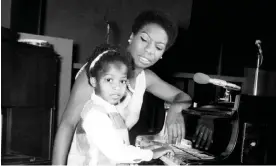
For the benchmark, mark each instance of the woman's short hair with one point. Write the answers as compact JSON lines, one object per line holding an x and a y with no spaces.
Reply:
{"x":156,"y":17}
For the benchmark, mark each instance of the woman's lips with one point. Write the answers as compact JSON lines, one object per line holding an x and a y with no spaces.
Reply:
{"x":144,"y":60}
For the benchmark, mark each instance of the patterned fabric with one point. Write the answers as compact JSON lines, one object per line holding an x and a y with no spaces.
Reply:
{"x":117,"y":119}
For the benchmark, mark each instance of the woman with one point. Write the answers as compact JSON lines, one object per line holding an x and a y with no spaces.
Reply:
{"x":152,"y":34}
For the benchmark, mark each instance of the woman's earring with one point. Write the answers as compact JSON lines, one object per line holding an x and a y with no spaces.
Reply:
{"x":129,"y":40}
{"x":161,"y":57}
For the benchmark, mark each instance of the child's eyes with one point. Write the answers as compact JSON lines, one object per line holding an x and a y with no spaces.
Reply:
{"x":123,"y":81}
{"x":109,"y":79}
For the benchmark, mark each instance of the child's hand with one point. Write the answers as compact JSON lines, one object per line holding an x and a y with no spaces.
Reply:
{"x":165,"y":150}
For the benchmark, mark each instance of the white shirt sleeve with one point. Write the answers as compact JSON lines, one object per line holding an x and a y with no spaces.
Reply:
{"x":100,"y":132}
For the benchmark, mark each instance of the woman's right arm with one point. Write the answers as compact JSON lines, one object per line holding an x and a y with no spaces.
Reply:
{"x":80,"y":94}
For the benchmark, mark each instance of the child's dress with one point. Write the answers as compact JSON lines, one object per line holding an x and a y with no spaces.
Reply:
{"x":101,"y":137}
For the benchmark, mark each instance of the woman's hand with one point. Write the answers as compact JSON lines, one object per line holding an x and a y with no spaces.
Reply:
{"x":175,"y":125}
{"x":203,"y":136}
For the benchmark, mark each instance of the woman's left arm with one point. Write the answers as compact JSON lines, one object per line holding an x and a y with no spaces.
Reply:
{"x":178,"y":99}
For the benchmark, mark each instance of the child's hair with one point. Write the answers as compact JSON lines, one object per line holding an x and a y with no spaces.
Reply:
{"x":156,"y":17}
{"x":106,"y":54}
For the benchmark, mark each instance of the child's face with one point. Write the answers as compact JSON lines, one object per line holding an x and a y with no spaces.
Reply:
{"x":112,"y":84}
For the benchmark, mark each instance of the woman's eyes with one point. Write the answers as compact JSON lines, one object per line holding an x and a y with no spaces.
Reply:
{"x":158,"y":48}
{"x":143,"y":39}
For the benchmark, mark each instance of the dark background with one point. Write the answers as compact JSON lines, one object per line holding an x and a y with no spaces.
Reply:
{"x":226,"y":28}
{"x":208,"y":29}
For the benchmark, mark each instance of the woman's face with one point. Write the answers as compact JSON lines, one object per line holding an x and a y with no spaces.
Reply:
{"x":148,"y":45}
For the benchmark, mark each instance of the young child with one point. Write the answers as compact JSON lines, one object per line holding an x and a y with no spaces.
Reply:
{"x":101,"y":136}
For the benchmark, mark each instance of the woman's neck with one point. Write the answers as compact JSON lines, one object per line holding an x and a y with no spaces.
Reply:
{"x":137,"y":71}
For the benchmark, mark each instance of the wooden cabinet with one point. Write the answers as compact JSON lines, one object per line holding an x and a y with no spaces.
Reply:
{"x":33,"y":94}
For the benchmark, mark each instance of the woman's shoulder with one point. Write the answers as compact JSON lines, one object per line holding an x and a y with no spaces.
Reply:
{"x":82,"y":70}
{"x":82,"y":83}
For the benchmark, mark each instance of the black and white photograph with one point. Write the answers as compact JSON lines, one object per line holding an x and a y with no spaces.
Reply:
{"x":138,"y":82}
